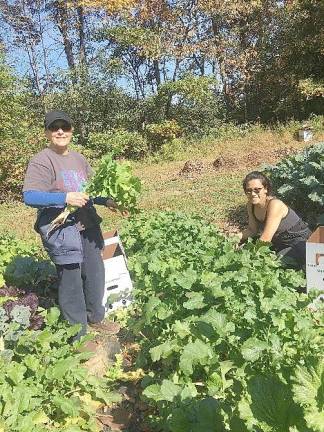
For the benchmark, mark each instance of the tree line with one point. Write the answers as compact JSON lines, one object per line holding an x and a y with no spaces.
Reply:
{"x":257,"y":60}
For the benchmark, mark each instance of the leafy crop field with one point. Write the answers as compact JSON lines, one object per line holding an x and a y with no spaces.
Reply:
{"x":227,"y":342}
{"x":219,"y":338}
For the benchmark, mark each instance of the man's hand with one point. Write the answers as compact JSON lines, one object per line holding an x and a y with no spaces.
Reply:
{"x":114,"y":207}
{"x":77,"y":199}
{"x":111,"y":205}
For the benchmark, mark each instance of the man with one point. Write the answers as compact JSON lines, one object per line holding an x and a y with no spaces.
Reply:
{"x":54,"y":178}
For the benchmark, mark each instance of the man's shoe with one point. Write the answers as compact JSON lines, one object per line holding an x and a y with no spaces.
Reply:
{"x":110,"y":327}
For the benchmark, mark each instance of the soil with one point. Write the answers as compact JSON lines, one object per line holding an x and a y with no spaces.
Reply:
{"x":128,"y":415}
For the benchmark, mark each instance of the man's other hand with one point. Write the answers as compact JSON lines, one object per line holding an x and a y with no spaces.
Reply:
{"x":77,"y":199}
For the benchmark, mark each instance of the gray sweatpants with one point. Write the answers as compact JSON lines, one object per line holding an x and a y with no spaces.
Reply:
{"x":81,"y":286}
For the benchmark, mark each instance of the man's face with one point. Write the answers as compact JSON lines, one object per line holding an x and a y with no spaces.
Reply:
{"x":59,"y":133}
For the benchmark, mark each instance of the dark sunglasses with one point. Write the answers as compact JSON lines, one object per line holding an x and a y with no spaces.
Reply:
{"x":255,"y":190}
{"x":66,"y":127}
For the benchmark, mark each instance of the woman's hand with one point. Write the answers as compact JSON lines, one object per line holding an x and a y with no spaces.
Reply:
{"x":77,"y":199}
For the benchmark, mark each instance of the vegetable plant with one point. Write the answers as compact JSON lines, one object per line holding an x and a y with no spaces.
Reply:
{"x":223,"y":332}
{"x":43,"y":385}
{"x":299,"y":181}
{"x":113,"y":180}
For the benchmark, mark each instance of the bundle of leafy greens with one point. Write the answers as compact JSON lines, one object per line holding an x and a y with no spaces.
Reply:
{"x":115,"y":181}
{"x":112,"y":180}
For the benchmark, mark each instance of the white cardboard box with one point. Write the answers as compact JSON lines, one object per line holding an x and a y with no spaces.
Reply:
{"x":118,"y":284}
{"x":315,"y":260}
{"x":305,"y":134}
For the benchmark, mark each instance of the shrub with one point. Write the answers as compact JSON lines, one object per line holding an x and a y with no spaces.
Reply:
{"x":90,"y":154}
{"x":160,"y":133}
{"x":120,"y":142}
{"x":299,"y":181}
{"x":10,"y":249}
{"x":14,"y":157}
{"x":18,"y":136}
{"x":172,"y":150}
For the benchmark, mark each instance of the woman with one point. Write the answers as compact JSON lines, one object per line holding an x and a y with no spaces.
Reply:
{"x":273,"y":220}
{"x":54,"y":179}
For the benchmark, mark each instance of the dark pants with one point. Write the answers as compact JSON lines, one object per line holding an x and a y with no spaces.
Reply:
{"x":294,"y":256}
{"x":81,"y":286}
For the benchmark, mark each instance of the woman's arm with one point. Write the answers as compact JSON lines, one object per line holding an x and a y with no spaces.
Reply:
{"x":275,"y":212}
{"x":252,"y":229}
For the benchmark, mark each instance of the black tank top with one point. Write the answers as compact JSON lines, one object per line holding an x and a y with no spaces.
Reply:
{"x":291,"y":230}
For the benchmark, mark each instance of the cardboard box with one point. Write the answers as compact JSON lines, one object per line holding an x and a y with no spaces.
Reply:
{"x":315,"y":260}
{"x":118,"y":284}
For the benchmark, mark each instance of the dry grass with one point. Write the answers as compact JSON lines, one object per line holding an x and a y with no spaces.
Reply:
{"x":214,"y":193}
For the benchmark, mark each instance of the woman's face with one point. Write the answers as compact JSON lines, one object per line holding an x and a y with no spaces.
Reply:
{"x":255,"y":191}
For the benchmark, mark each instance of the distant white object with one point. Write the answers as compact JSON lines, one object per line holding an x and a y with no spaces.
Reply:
{"x":315,"y":260}
{"x":305,"y":134}
{"x":118,"y":284}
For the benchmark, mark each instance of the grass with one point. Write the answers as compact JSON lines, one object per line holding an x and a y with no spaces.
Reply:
{"x":215,"y":194}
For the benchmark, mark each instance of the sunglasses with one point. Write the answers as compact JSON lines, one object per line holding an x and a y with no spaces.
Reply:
{"x":56,"y":126}
{"x":255,"y":190}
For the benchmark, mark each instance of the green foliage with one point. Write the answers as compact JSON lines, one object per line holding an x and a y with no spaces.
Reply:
{"x":192,"y":102}
{"x":19,"y":134}
{"x":159,"y":133}
{"x":309,"y":393}
{"x":29,"y":272}
{"x":43,"y":386}
{"x":145,"y":40}
{"x":217,"y":322}
{"x":13,"y":112}
{"x":119,"y":142}
{"x":299,"y":181}
{"x":13,"y":253}
{"x":190,"y":88}
{"x":115,"y":180}
{"x":96,"y":105}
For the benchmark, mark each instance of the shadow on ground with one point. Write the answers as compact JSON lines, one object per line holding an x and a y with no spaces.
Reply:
{"x":237,"y":216}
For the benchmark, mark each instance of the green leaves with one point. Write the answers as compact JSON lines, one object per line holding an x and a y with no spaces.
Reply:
{"x":196,"y":300}
{"x":43,"y":382}
{"x":252,"y":349}
{"x":14,"y":256}
{"x":163,"y":350}
{"x":308,"y":391}
{"x":15,"y":372}
{"x":270,"y":405}
{"x":299,"y":181}
{"x":221,"y":323}
{"x":115,"y":180}
{"x":186,"y":279}
{"x":69,"y":406}
{"x":194,"y":353}
{"x":167,"y":391}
